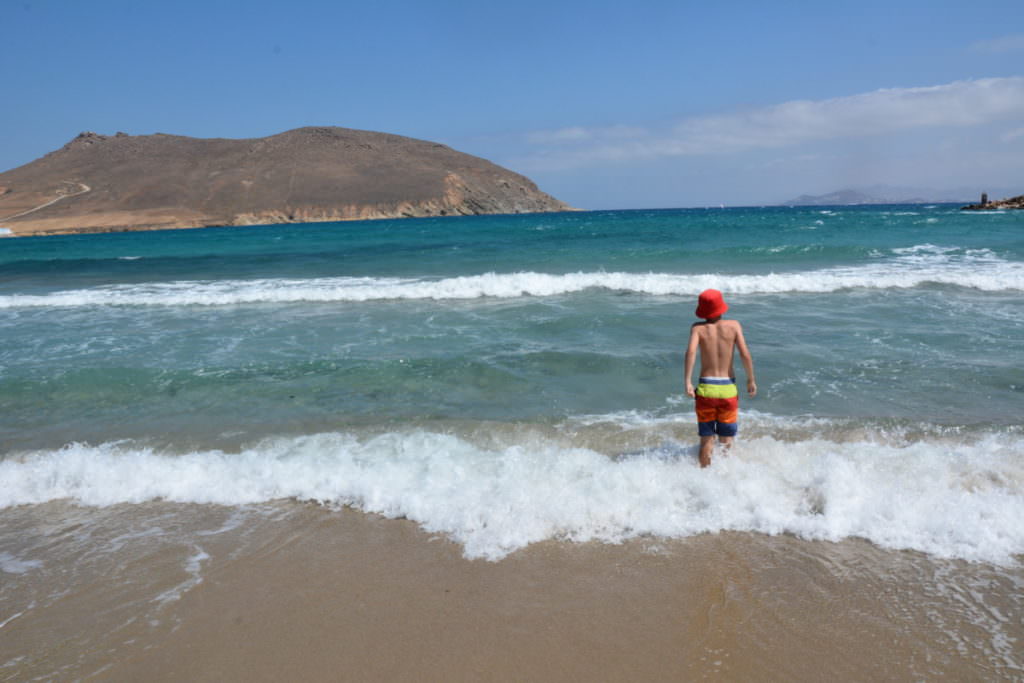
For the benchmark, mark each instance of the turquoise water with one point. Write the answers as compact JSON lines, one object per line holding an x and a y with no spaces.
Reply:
{"x":892,"y":312}
{"x":890,"y":334}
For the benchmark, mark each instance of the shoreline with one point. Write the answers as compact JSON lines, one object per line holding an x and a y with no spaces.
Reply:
{"x":277,"y":219}
{"x":285,"y":218}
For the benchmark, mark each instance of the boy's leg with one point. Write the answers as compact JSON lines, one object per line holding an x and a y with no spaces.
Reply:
{"x":726,"y":423}
{"x":707,"y":445}
{"x":706,"y":428}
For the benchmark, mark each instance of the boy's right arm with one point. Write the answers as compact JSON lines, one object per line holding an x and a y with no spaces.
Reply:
{"x":748,"y":361}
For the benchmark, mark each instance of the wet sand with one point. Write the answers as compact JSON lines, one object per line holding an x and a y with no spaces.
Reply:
{"x":315,"y":594}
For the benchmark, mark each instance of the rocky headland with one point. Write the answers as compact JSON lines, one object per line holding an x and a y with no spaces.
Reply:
{"x":100,"y":183}
{"x":985,"y":205}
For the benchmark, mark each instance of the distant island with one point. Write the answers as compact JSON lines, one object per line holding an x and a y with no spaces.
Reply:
{"x":846,"y":197}
{"x":888,"y":194}
{"x":100,"y":183}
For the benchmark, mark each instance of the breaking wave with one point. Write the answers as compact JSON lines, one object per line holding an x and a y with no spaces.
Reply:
{"x":951,"y":497}
{"x":986,"y":274}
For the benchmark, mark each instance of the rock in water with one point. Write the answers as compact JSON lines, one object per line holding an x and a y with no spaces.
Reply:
{"x":99,"y":183}
{"x":986,"y":205}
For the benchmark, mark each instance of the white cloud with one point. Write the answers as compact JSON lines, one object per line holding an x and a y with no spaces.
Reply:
{"x":1003,"y":44}
{"x":1011,"y":135}
{"x":961,"y":103}
{"x":579,"y":133}
{"x":791,"y":161}
{"x":549,"y":137}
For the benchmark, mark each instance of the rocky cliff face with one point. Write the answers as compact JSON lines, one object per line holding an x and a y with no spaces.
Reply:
{"x":99,"y":183}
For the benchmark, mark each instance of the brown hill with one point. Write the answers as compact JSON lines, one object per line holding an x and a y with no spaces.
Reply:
{"x":99,"y":183}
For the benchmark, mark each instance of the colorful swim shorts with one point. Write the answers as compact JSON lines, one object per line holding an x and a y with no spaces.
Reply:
{"x":717,"y":406}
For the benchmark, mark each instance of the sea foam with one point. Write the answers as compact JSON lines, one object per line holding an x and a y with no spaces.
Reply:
{"x":959,"y":499}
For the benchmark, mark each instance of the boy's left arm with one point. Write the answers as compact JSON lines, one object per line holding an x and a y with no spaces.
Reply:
{"x":691,"y":358}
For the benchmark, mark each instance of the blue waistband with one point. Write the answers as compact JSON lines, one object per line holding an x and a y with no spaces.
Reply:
{"x":715,"y":380}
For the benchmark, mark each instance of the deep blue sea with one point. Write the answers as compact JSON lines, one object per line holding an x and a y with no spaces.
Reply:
{"x":509,"y":379}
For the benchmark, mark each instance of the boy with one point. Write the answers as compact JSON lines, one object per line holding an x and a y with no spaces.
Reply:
{"x":717,"y":398}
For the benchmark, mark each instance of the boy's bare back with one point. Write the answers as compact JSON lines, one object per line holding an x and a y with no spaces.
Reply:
{"x":718,"y":340}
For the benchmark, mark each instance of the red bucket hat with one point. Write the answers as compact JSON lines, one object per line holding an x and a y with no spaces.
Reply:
{"x":710,"y":304}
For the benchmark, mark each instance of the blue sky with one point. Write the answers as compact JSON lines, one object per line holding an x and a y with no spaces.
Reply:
{"x":604,"y":104}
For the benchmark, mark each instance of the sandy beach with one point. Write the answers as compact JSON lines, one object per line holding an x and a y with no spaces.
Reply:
{"x":308,"y":593}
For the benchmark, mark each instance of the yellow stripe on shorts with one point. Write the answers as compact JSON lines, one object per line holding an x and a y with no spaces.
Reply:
{"x":717,"y":390}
